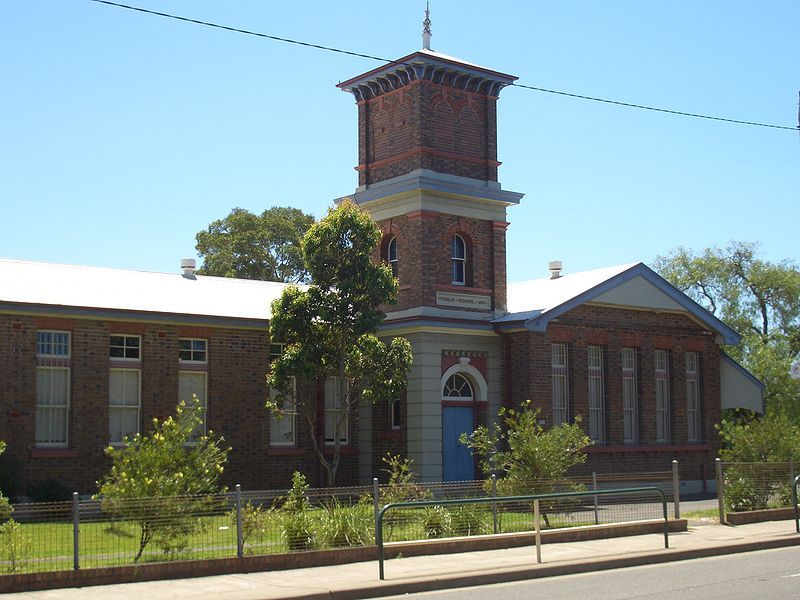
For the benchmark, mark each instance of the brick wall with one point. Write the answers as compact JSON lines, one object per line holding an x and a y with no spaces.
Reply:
{"x":426,"y":125}
{"x":528,"y":355}
{"x":424,"y":257}
{"x":237,"y":363}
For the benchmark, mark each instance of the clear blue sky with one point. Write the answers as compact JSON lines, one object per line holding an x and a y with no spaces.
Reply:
{"x":122,"y":134}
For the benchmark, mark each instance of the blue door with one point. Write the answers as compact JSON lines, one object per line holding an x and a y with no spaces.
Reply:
{"x":458,"y":463}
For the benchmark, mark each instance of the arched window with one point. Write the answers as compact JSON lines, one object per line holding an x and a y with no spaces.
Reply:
{"x":391,"y":255}
{"x":459,"y":260}
{"x":458,"y":386}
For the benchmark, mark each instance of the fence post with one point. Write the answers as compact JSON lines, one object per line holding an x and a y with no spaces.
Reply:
{"x":494,"y":504}
{"x":720,"y":491}
{"x":376,"y":502}
{"x":676,"y":489}
{"x":239,"y":532}
{"x":594,"y":487}
{"x":538,"y":528}
{"x":76,"y":563}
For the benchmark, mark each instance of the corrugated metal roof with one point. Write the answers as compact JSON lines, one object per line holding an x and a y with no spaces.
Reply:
{"x":529,"y":299}
{"x":28,"y":282}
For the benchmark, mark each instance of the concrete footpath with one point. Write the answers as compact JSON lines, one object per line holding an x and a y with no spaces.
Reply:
{"x":425,"y":573}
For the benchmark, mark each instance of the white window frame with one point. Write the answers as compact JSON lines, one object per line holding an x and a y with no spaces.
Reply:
{"x":192,"y":360}
{"x":53,"y":354}
{"x":124,"y":407}
{"x":286,"y":417}
{"x":596,"y":393}
{"x":202,"y":427}
{"x":630,"y":397}
{"x":391,"y":256}
{"x":661,"y":372}
{"x":394,"y":415}
{"x":458,"y":262}
{"x":559,"y":375}
{"x":456,"y":393}
{"x":333,"y":407}
{"x":125,"y":337}
{"x":693,"y":397}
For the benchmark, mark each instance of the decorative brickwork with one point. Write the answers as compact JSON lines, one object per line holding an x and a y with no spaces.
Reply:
{"x":426,"y":125}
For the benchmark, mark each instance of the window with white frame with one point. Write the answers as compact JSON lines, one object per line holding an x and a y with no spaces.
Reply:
{"x":52,"y":388}
{"x":192,"y":384}
{"x":459,"y":260}
{"x":391,"y":256}
{"x":124,"y":401}
{"x":394,"y":415}
{"x":692,"y":397}
{"x":558,"y":366}
{"x":125,"y":347}
{"x":597,"y":416}
{"x":662,"y":396}
{"x":630,"y":397}
{"x":192,"y":350}
{"x":335,"y":419}
{"x":458,"y":386}
{"x":283,"y":423}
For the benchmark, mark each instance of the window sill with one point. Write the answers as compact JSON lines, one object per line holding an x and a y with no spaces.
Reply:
{"x":53,"y":453}
{"x":648,"y":448}
{"x":285,"y":451}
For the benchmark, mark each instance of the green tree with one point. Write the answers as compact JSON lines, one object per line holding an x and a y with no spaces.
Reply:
{"x":759,"y":299}
{"x":330,"y":329}
{"x":249,"y":246}
{"x":158,"y":479}
{"x":528,"y":458}
{"x":749,"y":483}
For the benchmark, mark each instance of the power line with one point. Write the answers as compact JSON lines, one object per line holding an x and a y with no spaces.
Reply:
{"x":387,"y":60}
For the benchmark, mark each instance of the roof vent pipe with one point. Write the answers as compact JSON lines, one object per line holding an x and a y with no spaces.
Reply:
{"x":189,"y":266}
{"x":555,"y":267}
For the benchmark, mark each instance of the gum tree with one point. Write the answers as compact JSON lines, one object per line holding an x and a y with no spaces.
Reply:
{"x":329,"y":330}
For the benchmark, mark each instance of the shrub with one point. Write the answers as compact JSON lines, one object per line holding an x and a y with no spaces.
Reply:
{"x":256,"y":521}
{"x":298,"y":526}
{"x":436,"y":521}
{"x":162,"y":479}
{"x":344,"y":525}
{"x":14,"y":547}
{"x":469,"y":519}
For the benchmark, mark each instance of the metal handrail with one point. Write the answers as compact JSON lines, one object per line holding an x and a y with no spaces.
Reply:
{"x":508,"y":499}
{"x":794,"y":504}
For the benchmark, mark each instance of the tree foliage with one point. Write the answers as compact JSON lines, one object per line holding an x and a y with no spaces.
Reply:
{"x":158,"y":479}
{"x":759,"y":299}
{"x":329,"y":330}
{"x":249,"y":246}
{"x":528,"y":458}
{"x":750,"y":482}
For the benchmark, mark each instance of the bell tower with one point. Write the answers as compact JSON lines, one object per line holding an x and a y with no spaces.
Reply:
{"x":427,"y":173}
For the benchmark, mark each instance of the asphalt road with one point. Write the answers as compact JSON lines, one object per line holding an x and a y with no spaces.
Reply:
{"x":767,"y":574}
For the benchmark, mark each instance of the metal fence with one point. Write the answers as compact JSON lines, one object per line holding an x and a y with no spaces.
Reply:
{"x":746,"y":487}
{"x":89,"y":533}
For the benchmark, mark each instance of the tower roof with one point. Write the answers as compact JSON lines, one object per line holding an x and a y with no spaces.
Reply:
{"x":429,"y":65}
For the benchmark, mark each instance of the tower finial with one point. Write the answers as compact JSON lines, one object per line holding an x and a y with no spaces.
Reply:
{"x":426,"y":28}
